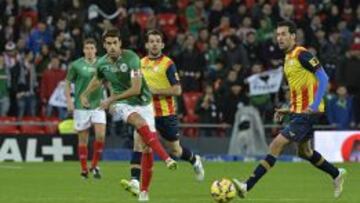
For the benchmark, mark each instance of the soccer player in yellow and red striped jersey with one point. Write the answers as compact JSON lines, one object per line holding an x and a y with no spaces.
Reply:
{"x":307,"y":82}
{"x":162,"y":78}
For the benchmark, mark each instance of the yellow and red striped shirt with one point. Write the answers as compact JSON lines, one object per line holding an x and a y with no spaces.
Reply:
{"x":299,"y":67}
{"x":160,"y":73}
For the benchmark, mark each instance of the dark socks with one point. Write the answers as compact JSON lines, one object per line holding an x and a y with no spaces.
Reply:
{"x":260,"y":170}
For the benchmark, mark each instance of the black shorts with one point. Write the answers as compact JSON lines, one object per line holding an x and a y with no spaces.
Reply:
{"x":300,"y":128}
{"x":168,"y":127}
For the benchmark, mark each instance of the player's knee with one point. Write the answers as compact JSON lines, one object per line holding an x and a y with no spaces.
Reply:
{"x":304,"y":153}
{"x":176,"y":150}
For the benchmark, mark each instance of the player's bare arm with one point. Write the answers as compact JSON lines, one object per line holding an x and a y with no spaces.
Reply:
{"x":93,"y":85}
{"x":69,"y":102}
{"x":134,"y":90}
{"x":174,"y":90}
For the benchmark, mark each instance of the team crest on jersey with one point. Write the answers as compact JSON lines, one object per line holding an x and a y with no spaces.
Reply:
{"x":314,"y":62}
{"x":123,"y":67}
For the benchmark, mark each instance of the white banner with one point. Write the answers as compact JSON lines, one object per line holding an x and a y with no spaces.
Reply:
{"x":58,"y":97}
{"x":265,"y":82}
{"x":338,"y":146}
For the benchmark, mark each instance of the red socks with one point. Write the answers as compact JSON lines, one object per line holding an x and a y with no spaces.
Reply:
{"x":83,"y":154}
{"x":147,"y":161}
{"x":98,"y":149}
{"x":151,"y":139}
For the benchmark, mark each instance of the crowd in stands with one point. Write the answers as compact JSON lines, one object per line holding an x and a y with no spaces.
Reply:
{"x":216,"y":45}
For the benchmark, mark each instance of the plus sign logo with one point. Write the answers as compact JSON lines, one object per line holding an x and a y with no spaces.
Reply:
{"x":57,"y":150}
{"x":37,"y":149}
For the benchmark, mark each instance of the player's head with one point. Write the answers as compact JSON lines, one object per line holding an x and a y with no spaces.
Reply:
{"x":89,"y":48}
{"x":112,"y":42}
{"x":286,"y":35}
{"x":154,"y":42}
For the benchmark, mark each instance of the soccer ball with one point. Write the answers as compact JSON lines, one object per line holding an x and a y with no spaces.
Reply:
{"x":223,"y":190}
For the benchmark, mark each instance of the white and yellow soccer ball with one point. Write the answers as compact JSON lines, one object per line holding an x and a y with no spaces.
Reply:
{"x":223,"y":191}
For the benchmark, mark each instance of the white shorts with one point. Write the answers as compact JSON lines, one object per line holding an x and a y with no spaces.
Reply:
{"x":84,"y":118}
{"x":123,"y":111}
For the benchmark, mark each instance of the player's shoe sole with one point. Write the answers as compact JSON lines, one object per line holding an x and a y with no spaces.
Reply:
{"x":129,"y":187}
{"x":339,"y":182}
{"x":240,"y":188}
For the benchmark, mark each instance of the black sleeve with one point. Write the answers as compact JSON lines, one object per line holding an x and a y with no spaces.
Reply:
{"x":309,"y":61}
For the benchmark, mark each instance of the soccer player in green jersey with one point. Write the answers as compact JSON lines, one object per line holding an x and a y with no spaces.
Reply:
{"x":80,"y":73}
{"x":130,"y":100}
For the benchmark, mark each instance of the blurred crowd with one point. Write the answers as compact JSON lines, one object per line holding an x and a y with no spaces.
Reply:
{"x":216,"y":45}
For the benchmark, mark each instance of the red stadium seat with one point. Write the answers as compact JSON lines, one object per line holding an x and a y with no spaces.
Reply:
{"x":8,"y":129}
{"x":28,"y":128}
{"x":190,"y":100}
{"x":167,"y":22}
{"x":51,"y":129}
{"x":142,"y":18}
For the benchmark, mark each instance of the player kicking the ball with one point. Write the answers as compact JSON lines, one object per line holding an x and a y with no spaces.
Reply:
{"x":307,"y":82}
{"x":130,"y":100}
{"x":162,"y":78}
{"x":81,"y":72}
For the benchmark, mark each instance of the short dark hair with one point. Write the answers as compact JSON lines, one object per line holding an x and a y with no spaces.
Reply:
{"x":291,"y":26}
{"x":89,"y":41}
{"x":113,"y":32}
{"x":153,"y":32}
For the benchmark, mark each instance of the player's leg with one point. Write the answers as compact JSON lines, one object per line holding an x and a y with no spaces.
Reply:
{"x":133,"y":185}
{"x":81,"y":125}
{"x":177,"y":150}
{"x":149,"y":137}
{"x":276,"y":147}
{"x":147,"y":162}
{"x":316,"y":159}
{"x":98,"y":147}
{"x":168,"y":127}
{"x":98,"y":118}
{"x":83,"y":137}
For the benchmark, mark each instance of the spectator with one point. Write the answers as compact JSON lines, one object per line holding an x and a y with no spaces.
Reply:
{"x":4,"y":93}
{"x":42,"y":60}
{"x":252,"y":48}
{"x":224,"y":29}
{"x":340,"y":109}
{"x":39,"y":36}
{"x":27,"y":82}
{"x":215,"y":14}
{"x":191,"y":66}
{"x":208,"y":110}
{"x":49,"y":81}
{"x":214,"y":52}
{"x":195,"y":16}
{"x":235,"y":53}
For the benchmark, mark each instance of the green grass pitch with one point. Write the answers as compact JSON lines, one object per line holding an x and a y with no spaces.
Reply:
{"x":61,"y":183}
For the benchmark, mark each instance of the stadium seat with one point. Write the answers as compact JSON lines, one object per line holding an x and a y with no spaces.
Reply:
{"x":142,"y":18}
{"x":51,"y":129}
{"x":8,"y":129}
{"x":27,"y":128}
{"x":190,"y":100}
{"x":167,"y":23}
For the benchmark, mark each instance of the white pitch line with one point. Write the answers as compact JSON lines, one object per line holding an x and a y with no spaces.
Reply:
{"x":11,"y":167}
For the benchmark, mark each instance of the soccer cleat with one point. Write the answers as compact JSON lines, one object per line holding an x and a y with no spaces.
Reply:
{"x":96,"y":172}
{"x":143,"y":196}
{"x":199,"y":169}
{"x":241,"y":188}
{"x":338,"y":183}
{"x":171,"y":164}
{"x":132,"y":186}
{"x":84,"y":175}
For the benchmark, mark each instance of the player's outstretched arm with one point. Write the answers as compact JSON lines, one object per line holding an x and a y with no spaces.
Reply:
{"x":92,"y":86}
